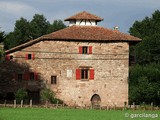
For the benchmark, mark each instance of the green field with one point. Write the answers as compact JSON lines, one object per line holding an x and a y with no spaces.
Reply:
{"x":75,"y":114}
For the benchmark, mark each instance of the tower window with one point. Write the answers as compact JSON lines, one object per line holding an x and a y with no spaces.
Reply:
{"x":29,"y":56}
{"x":84,"y":50}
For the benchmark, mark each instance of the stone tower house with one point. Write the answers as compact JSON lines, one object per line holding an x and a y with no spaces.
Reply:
{"x":83,"y":63}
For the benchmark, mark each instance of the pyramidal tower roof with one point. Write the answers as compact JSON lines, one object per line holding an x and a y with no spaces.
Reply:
{"x":84,"y":16}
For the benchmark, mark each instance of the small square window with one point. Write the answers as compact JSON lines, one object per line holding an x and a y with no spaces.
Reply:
{"x":20,"y":77}
{"x":84,"y":50}
{"x":53,"y":79}
{"x":29,"y":56}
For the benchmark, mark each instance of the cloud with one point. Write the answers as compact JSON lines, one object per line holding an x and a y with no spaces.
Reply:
{"x":114,"y":12}
{"x":15,"y":8}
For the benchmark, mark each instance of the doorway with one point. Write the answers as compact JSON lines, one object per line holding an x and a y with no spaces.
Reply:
{"x":95,"y":100}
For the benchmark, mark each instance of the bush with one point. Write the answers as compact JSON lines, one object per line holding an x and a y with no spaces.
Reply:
{"x":47,"y":95}
{"x":20,"y":94}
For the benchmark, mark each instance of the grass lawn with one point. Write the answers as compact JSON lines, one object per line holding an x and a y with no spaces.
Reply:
{"x":74,"y":114}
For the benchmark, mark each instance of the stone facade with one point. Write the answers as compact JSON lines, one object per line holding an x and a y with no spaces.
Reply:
{"x":109,"y":61}
{"x":83,"y":64}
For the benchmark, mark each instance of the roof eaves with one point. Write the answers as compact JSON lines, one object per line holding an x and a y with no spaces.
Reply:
{"x":24,"y":45}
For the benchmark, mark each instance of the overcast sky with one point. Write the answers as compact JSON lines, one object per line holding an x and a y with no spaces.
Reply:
{"x":122,"y":13}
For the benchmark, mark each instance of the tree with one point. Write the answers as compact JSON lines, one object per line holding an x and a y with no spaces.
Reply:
{"x":39,"y":26}
{"x":47,"y":95}
{"x":144,"y":84}
{"x":10,"y":41}
{"x":2,"y":36}
{"x":20,"y":94}
{"x":22,"y":30}
{"x":20,"y":35}
{"x":56,"y":25}
{"x":25,"y":30}
{"x":148,"y":30}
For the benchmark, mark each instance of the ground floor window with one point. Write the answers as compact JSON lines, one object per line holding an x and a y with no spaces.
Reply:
{"x":20,"y":77}
{"x":31,"y":76}
{"x":53,"y":79}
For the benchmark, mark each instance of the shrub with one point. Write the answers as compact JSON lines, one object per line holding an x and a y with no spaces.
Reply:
{"x":20,"y":94}
{"x":47,"y":95}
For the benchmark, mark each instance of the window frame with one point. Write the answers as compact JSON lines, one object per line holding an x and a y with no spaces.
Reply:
{"x":85,"y":50}
{"x":29,"y":56}
{"x":90,"y":73}
{"x":84,"y":74}
{"x":53,"y":80}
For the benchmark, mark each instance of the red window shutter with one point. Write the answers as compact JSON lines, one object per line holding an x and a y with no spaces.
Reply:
{"x":80,"y":49}
{"x":91,"y":74}
{"x":33,"y":56}
{"x":26,"y":76}
{"x":90,"y":49}
{"x":26,"y":56}
{"x":7,"y":57}
{"x":35,"y":76}
{"x":78,"y":74}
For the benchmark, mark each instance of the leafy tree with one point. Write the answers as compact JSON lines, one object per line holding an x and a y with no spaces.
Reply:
{"x":10,"y":41}
{"x":2,"y":36}
{"x":56,"y":25}
{"x":148,"y":30}
{"x":22,"y":30}
{"x":25,"y":30}
{"x":39,"y":26}
{"x":144,"y":84}
{"x":20,"y":94}
{"x":20,"y":35}
{"x":47,"y":95}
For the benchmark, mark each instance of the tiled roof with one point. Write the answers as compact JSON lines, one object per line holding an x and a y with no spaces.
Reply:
{"x":84,"y":15}
{"x":82,"y":33}
{"x":91,"y":33}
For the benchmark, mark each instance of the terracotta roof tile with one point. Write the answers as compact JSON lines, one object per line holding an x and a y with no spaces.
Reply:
{"x":83,"y":33}
{"x":91,"y":33}
{"x":84,"y":15}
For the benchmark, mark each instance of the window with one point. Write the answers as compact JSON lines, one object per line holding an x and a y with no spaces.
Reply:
{"x":9,"y":57}
{"x":30,"y":56}
{"x":53,"y":79}
{"x":85,"y":49}
{"x":85,"y":74}
{"x":20,"y":77}
{"x":31,"y":76}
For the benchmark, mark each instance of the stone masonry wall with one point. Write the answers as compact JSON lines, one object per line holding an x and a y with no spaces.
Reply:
{"x":109,"y":60}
